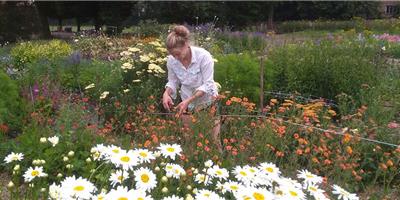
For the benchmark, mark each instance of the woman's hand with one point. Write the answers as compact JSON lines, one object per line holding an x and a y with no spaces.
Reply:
{"x":167,"y":102}
{"x":182,"y":107}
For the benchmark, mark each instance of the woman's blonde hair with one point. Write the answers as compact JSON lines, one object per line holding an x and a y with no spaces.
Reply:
{"x":178,"y":37}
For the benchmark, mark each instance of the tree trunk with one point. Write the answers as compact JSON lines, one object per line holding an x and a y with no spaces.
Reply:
{"x":270,"y":23}
{"x":59,"y":24}
{"x":45,"y":28}
{"x":78,"y":24}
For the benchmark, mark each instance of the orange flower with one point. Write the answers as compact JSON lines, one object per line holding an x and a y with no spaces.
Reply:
{"x":199,"y":144}
{"x":383,"y":166}
{"x":296,"y":136}
{"x":314,"y":159}
{"x":154,"y":138}
{"x":389,"y":163}
{"x":327,"y":162}
{"x":299,"y":152}
{"x":280,"y":154}
{"x":234,"y":153}
{"x":228,"y":103}
{"x":206,"y":148}
{"x":147,"y":143}
{"x":346,"y":138}
{"x":349,"y":150}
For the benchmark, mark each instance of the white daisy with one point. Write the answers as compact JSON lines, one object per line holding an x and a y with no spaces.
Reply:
{"x":13,"y":157}
{"x":121,"y":193}
{"x":173,"y":197}
{"x":53,"y":140}
{"x":145,"y":179}
{"x":208,"y":163}
{"x":242,"y":174}
{"x":343,"y":194}
{"x":141,"y":195}
{"x":170,"y":150}
{"x":204,"y":194}
{"x":99,"y":152}
{"x":77,"y":188}
{"x":32,"y":173}
{"x":101,"y":196}
{"x":125,"y":160}
{"x":174,"y":170}
{"x":233,"y":187}
{"x":294,"y":193}
{"x":271,"y":171}
{"x":203,"y":179}
{"x":308,"y":177}
{"x":320,"y":196}
{"x":118,"y":177}
{"x":313,"y":189}
{"x":218,"y":172}
{"x":54,"y":191}
{"x":144,"y":155}
{"x":256,"y":194}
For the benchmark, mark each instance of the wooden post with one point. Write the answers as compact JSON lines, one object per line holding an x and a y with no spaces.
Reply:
{"x":261,"y":83}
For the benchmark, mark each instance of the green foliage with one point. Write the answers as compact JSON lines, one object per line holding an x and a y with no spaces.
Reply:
{"x":10,"y":102}
{"x":239,"y":74}
{"x":147,"y":28}
{"x":31,"y":52}
{"x":359,"y":24}
{"x":238,"y":42}
{"x":325,"y":68}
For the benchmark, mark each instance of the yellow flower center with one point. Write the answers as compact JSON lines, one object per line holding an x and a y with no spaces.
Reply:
{"x":143,"y":154}
{"x":269,"y":169}
{"x":234,"y":187}
{"x":145,"y":178}
{"x":313,"y":188}
{"x":293,"y":193}
{"x":140,"y":198}
{"x":219,"y":172}
{"x":309,"y":176}
{"x":279,"y":192}
{"x":170,"y":149}
{"x":258,"y":196}
{"x":207,"y":195}
{"x":243,"y":173}
{"x":252,"y":170}
{"x":122,"y":198}
{"x":79,"y":188}
{"x":115,"y":150}
{"x":35,"y":173}
{"x":125,"y":159}
{"x":169,"y":167}
{"x":120,"y":178}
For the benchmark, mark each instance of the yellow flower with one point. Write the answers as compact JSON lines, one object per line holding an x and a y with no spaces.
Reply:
{"x":104,"y":94}
{"x":161,"y":49}
{"x":155,"y":43}
{"x":126,"y":66}
{"x":133,"y":49}
{"x":144,"y":58}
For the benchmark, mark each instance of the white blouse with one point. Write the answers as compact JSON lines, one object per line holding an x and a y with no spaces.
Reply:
{"x":198,"y":76}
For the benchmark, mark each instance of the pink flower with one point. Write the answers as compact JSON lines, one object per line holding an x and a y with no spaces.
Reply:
{"x":393,"y":125}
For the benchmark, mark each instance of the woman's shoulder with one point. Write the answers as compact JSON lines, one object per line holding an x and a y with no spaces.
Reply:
{"x":201,"y":52}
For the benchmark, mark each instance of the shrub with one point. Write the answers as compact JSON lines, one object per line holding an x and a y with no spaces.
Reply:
{"x":31,"y":52}
{"x":325,"y":68}
{"x":10,"y":104}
